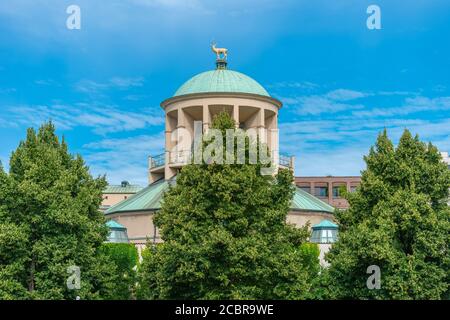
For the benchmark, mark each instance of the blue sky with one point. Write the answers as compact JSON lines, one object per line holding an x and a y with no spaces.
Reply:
{"x":340,"y":82}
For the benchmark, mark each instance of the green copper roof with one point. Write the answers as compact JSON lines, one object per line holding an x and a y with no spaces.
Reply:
{"x":221,"y":80}
{"x":149,"y":199}
{"x":303,"y":201}
{"x":325,"y":224}
{"x":122,"y":189}
{"x":115,"y":225}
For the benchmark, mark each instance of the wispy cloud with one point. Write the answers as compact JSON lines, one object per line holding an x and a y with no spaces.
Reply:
{"x":101,"y":119}
{"x":337,"y":146}
{"x":330,"y":102}
{"x":305,"y":85}
{"x":345,"y":95}
{"x":331,"y":132}
{"x":91,"y":86}
{"x":124,"y":158}
{"x":47,"y":82}
{"x":316,"y":104}
{"x":7,"y":90}
{"x":410,"y":106}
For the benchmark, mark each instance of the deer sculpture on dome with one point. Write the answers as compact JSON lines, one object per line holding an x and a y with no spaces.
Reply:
{"x":221,"y":53}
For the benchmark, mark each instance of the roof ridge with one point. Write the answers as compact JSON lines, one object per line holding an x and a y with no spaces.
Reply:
{"x":321,"y":204}
{"x":118,"y":207}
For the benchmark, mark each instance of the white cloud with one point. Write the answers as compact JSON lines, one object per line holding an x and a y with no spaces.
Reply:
{"x":410,"y":106}
{"x":47,"y":82}
{"x":102,"y":119}
{"x":314,"y":105}
{"x":123,"y":159}
{"x":8,"y":90}
{"x":90,"y":86}
{"x":305,"y":85}
{"x":345,"y":95}
{"x":126,"y":82}
{"x":337,"y":146}
{"x":331,"y":102}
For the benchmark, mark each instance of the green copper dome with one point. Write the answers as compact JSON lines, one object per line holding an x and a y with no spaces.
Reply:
{"x":221,"y":80}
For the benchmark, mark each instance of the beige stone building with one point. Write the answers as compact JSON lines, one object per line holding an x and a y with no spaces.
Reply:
{"x":113,"y":194}
{"x":197,"y":101}
{"x":329,"y":188}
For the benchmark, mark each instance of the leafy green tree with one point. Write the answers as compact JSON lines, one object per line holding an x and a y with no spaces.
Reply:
{"x":225,"y":236}
{"x":399,"y":221}
{"x":125,"y":257}
{"x":49,"y":221}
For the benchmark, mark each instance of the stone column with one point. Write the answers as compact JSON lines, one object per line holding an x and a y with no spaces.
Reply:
{"x":236,"y":115}
{"x":206,"y":118}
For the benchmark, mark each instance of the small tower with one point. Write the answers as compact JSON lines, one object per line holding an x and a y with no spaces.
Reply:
{"x":200,"y":99}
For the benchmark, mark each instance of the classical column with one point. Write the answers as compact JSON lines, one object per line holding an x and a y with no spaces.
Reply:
{"x":261,"y":126}
{"x":206,"y":118}
{"x":236,"y":115}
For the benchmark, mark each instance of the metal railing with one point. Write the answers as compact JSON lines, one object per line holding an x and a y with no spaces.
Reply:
{"x":285,"y":161}
{"x":184,"y":157}
{"x":157,"y":161}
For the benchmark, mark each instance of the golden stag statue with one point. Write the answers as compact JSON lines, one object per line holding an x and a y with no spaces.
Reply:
{"x":219,"y":51}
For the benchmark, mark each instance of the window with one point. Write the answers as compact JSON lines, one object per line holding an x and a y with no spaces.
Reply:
{"x":353,"y":188}
{"x":338,"y":191}
{"x":118,"y":236}
{"x":324,"y":236}
{"x":306,"y":189}
{"x":321,"y":191}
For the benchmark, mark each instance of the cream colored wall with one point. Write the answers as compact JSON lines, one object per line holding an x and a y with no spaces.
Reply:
{"x":110,"y":199}
{"x":177,"y":117}
{"x":300,"y":218}
{"x":140,"y":225}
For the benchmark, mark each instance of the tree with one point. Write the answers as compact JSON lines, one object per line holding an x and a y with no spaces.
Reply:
{"x":49,"y":221}
{"x":125,"y":257}
{"x":399,"y":221}
{"x":225,"y":235}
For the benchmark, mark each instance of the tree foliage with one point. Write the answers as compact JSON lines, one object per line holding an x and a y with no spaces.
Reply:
{"x":398,"y":220}
{"x":225,"y":236}
{"x":125,"y":257}
{"x":49,"y":221}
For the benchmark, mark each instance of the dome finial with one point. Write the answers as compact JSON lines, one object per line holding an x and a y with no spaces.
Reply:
{"x":221,"y":54}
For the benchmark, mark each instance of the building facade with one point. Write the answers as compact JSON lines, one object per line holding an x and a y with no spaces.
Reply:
{"x":197,"y":101}
{"x":329,"y":189}
{"x":113,"y":194}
